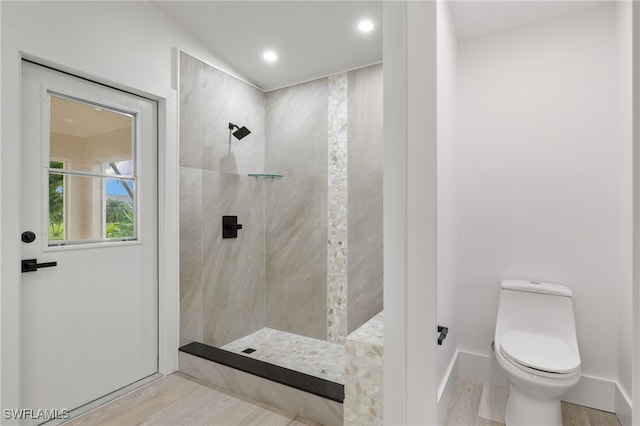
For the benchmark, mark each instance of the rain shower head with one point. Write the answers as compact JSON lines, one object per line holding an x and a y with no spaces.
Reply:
{"x":241,"y":132}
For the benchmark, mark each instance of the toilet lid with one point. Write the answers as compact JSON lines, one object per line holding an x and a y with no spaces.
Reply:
{"x":540,"y":352}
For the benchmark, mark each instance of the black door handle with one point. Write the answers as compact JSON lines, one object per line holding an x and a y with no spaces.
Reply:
{"x":32,"y":265}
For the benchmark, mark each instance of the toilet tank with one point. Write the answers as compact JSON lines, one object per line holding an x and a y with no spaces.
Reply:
{"x":539,"y":308}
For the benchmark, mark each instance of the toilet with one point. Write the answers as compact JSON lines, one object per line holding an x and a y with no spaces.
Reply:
{"x":536,"y":346}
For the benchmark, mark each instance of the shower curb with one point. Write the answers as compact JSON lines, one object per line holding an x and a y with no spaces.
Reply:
{"x":305,"y":382}
{"x":313,"y":407}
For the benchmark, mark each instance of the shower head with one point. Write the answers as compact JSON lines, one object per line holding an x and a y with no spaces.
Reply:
{"x":241,"y":132}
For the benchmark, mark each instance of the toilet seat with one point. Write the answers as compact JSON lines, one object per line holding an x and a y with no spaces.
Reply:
{"x":545,"y":355}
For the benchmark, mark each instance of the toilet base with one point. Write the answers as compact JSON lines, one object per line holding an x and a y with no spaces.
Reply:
{"x":524,"y":410}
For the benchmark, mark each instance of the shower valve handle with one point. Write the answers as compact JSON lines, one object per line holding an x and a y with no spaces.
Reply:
{"x":230,"y":226}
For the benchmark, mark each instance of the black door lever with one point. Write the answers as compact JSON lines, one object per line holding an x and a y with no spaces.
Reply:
{"x":32,"y":265}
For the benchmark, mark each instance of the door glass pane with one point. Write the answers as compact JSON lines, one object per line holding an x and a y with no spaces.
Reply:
{"x":88,"y":136}
{"x":92,"y":179}
{"x":89,"y":208}
{"x":119,"y":208}
{"x":119,"y":168}
{"x":56,"y":203}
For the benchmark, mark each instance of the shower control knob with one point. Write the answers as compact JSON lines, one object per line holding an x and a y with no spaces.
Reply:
{"x":230,"y":226}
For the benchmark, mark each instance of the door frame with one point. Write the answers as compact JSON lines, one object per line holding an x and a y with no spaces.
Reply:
{"x":10,"y":249}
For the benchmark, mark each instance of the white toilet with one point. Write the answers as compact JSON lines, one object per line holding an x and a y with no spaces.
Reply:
{"x":536,"y":345}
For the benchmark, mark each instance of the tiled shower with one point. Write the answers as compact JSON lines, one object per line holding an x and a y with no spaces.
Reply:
{"x":307,"y":262}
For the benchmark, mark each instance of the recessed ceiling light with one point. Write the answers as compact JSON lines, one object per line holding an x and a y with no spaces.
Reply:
{"x":270,"y":56}
{"x":365,"y":25}
{"x":68,"y":120}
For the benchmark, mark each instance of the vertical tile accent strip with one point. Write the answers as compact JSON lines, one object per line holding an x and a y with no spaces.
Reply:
{"x":337,"y":210}
{"x":363,"y":375}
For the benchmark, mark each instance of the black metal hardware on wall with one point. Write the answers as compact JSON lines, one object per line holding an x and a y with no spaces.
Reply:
{"x":32,"y":265}
{"x":28,"y":237}
{"x":230,"y":226}
{"x":240,"y":132}
{"x":443,"y":334}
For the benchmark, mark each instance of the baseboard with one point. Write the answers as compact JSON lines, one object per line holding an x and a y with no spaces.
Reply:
{"x":447,"y":387}
{"x":623,"y":406}
{"x":481,"y":367}
{"x":590,"y":392}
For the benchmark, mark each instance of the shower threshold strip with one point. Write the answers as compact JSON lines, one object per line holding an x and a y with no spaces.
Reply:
{"x":305,"y":382}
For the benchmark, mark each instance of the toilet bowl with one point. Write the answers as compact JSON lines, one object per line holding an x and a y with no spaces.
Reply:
{"x":536,"y":346}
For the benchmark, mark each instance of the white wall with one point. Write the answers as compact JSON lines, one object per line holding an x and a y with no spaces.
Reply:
{"x":635,"y":380}
{"x":625,"y":308}
{"x":544,"y":178}
{"x":410,"y":213}
{"x":447,"y":188}
{"x":128,"y":45}
{"x":127,"y":42}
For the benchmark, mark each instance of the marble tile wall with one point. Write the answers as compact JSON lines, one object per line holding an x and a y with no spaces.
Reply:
{"x":289,"y":269}
{"x":364,"y":195}
{"x":296,"y":209}
{"x":220,"y":280}
{"x":296,"y":126}
{"x":296,"y":255}
{"x":332,"y":129}
{"x":191,"y":307}
{"x":233,"y":270}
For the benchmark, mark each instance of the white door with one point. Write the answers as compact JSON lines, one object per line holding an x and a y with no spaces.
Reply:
{"x":89,"y":282}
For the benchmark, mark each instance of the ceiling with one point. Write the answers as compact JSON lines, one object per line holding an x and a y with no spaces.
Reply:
{"x":313,"y":39}
{"x":479,"y":18}
{"x":318,"y":38}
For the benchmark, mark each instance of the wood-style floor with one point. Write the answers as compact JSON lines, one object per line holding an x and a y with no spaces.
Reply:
{"x":480,"y":404}
{"x":178,"y":399}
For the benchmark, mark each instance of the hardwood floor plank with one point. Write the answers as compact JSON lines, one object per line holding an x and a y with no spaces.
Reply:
{"x":267,"y":417}
{"x":232,"y":412}
{"x":275,"y":416}
{"x":179,"y":400}
{"x":465,"y":403}
{"x":301,"y":421}
{"x":481,"y":404}
{"x":601,"y":418}
{"x":146,"y":408}
{"x":125,"y":402}
{"x":486,"y":422}
{"x":574,"y":415}
{"x":186,"y":410}
{"x":493,"y":402}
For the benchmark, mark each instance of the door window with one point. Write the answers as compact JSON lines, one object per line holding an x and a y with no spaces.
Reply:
{"x":92,"y":173}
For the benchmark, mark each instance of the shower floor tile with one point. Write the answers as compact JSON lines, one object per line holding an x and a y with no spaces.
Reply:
{"x":304,"y":354}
